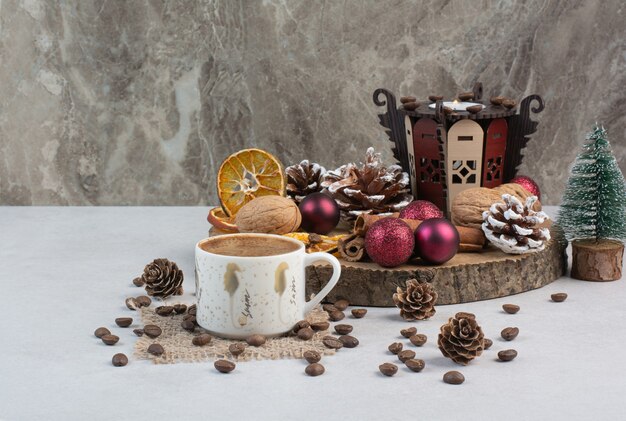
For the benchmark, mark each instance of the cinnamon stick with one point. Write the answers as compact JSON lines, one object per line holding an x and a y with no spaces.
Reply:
{"x":365,"y":221}
{"x":352,"y":248}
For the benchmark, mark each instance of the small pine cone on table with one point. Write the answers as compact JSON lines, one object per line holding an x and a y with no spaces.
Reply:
{"x":461,"y":339}
{"x":417,"y":302}
{"x":163,"y":278}
{"x":303,"y":179}
{"x":368,"y":188}
{"x":515,"y":228}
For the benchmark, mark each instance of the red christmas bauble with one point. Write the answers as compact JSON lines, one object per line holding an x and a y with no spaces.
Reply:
{"x":389,"y":242}
{"x":320,"y":213}
{"x":421,"y":210}
{"x":529,"y":184}
{"x":436,"y":240}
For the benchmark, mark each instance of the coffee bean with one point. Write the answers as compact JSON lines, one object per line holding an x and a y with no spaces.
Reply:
{"x":329,"y":307}
{"x":237,"y":349}
{"x":312,"y":356}
{"x":336,"y":315}
{"x":189,"y":317}
{"x":559,"y":297}
{"x":407,"y":333}
{"x":349,"y":341}
{"x":188,"y":325}
{"x":341,"y":305}
{"x":124,"y":321}
{"x":156,"y":349}
{"x":202,"y":339}
{"x":435,"y":98}
{"x":300,"y":325}
{"x":110,"y":339}
{"x":415,"y":364}
{"x":406,"y":355}
{"x":138,"y":332}
{"x":510,"y":308}
{"x":143,"y":301}
{"x":315,"y":369}
{"x":395,"y":347}
{"x":509,"y":333}
{"x":152,"y":331}
{"x":359,"y":313}
{"x":487,"y":343}
{"x":320,"y":326}
{"x":407,"y":99}
{"x":306,"y":333}
{"x":332,"y":342}
{"x":180,"y":308}
{"x":256,"y":340}
{"x":418,"y":339}
{"x":138,"y":282}
{"x":453,"y":377}
{"x":164,"y":310}
{"x":343,"y":329}
{"x":224,"y":366}
{"x":388,"y":369}
{"x":119,"y":360}
{"x":507,"y":355}
{"x":131,"y":303}
{"x":101,"y":331}
{"x":192,"y":309}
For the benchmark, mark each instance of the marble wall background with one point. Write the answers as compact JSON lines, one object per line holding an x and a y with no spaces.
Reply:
{"x":137,"y":102}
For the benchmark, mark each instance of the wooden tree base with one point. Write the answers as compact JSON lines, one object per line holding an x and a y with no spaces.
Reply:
{"x":467,"y":277}
{"x":597,"y":261}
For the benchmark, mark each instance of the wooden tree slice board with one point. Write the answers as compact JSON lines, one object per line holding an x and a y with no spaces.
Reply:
{"x":467,"y":277}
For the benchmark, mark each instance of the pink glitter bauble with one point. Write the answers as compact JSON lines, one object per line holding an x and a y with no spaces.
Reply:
{"x":389,"y":242}
{"x":529,"y":184}
{"x":436,"y":240}
{"x":421,"y":210}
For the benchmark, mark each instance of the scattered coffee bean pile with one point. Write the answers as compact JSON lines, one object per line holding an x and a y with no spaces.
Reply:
{"x":304,"y":331}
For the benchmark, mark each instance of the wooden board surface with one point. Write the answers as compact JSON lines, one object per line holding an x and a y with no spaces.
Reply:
{"x":467,"y":277}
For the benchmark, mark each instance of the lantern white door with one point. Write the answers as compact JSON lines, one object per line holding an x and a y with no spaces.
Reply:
{"x":464,"y":157}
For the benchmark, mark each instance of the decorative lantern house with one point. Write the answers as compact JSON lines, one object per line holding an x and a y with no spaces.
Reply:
{"x":447,"y":149}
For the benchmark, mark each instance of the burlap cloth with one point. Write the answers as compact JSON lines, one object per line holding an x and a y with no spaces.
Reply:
{"x":178,"y":347}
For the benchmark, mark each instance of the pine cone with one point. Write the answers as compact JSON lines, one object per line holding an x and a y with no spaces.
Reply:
{"x":461,"y":339}
{"x":417,"y":302}
{"x":303,"y":179}
{"x":370,"y":188}
{"x":514,"y":228}
{"x":163,"y":278}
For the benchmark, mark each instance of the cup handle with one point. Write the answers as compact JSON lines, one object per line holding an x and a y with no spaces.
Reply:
{"x":315,"y":257}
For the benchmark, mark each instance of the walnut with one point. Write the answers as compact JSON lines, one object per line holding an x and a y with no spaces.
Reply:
{"x":269,"y":214}
{"x":468,"y":206}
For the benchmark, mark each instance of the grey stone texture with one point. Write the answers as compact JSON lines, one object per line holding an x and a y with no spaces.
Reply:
{"x":138,"y":102}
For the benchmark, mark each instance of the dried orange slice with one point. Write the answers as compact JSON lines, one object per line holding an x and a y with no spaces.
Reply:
{"x":315,"y":243}
{"x":247,"y":174}
{"x":219,"y":220}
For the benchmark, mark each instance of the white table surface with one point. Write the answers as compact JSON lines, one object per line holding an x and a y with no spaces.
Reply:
{"x":66,"y":271}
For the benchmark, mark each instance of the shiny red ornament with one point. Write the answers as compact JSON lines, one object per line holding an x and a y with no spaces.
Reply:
{"x":421,"y":210}
{"x":436,"y":240}
{"x":320,"y":213}
{"x":389,"y":242}
{"x":529,"y":184}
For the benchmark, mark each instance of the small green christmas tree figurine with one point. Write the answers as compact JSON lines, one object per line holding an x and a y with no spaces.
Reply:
{"x":593,"y":211}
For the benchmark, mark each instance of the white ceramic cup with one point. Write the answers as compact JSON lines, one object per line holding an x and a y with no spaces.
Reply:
{"x":242,"y":295}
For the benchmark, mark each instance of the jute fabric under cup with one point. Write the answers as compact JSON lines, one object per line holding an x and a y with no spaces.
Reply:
{"x":178,"y":347}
